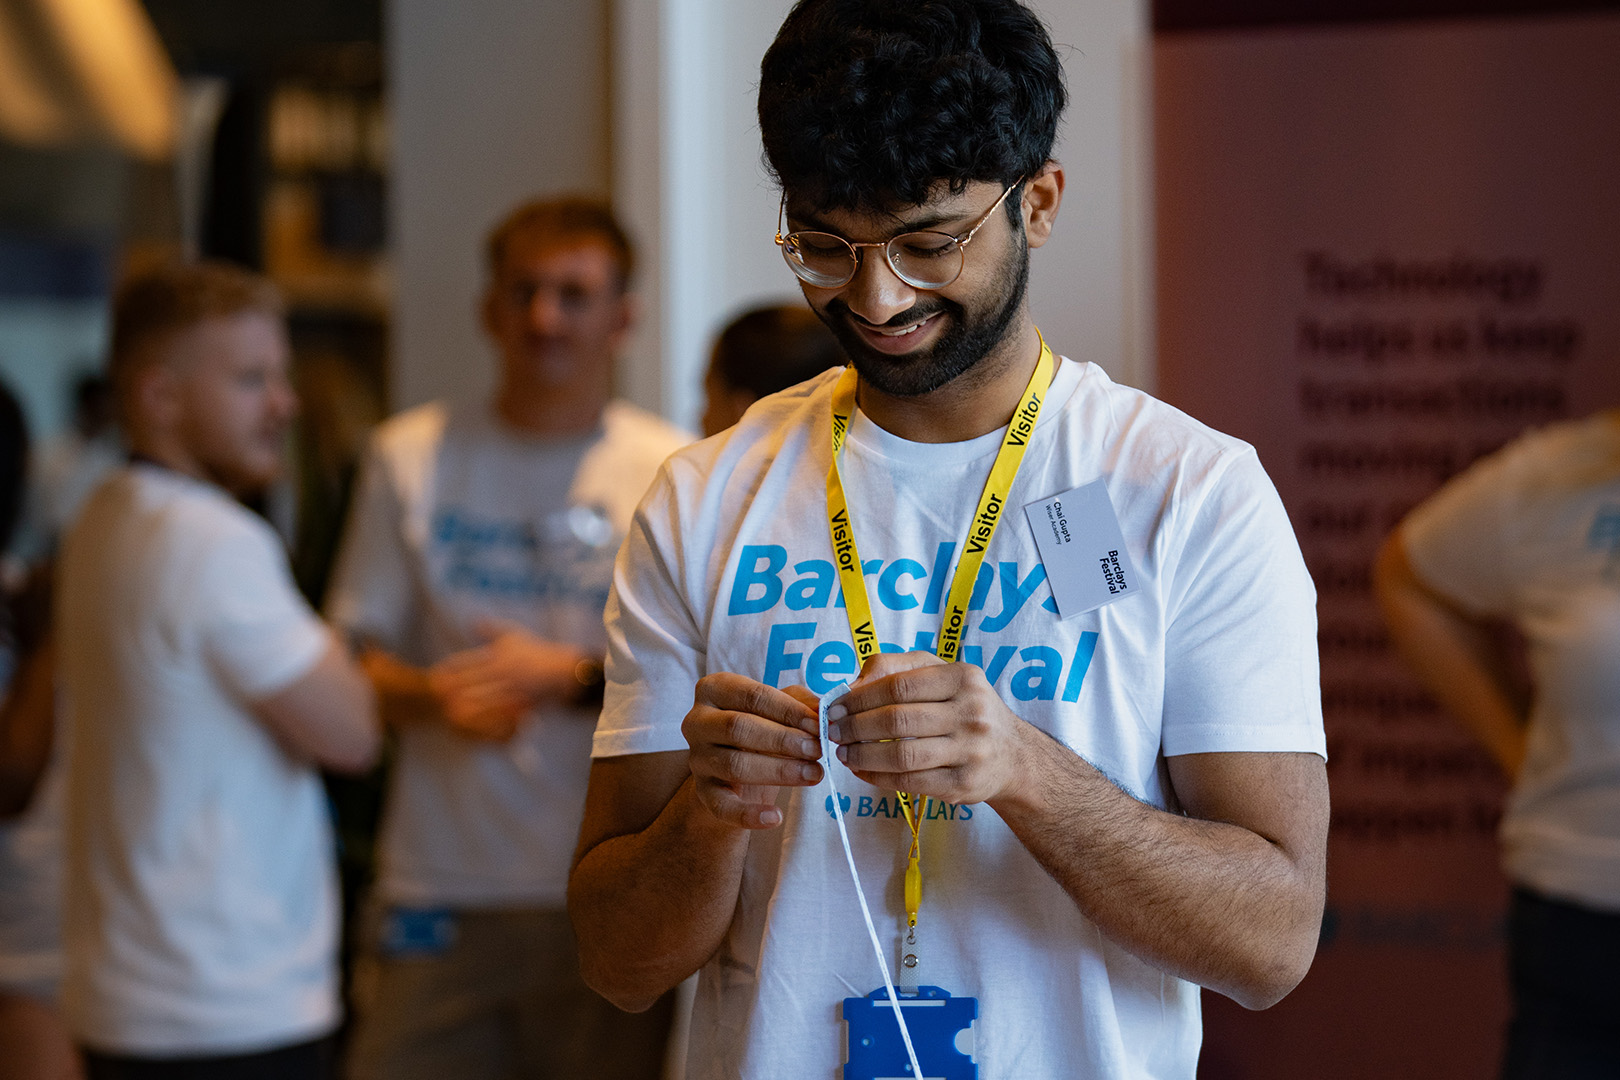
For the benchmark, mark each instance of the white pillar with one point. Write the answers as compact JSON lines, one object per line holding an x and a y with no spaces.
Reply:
{"x":491,"y":102}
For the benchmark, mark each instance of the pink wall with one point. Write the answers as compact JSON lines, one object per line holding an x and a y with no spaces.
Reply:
{"x":1383,"y":250}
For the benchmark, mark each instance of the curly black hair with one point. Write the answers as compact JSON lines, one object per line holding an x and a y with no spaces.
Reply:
{"x":869,"y":104}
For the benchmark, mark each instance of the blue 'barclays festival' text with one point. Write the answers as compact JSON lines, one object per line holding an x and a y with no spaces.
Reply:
{"x":762,"y":583}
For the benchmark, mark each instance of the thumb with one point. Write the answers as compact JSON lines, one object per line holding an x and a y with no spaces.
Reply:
{"x":884,"y":664}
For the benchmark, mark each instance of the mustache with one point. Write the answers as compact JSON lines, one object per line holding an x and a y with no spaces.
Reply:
{"x":914,"y":314}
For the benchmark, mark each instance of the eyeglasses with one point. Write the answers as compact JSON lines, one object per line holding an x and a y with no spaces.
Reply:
{"x":923,"y":260}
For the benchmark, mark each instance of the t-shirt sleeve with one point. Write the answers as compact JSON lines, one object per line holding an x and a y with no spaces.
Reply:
{"x":655,"y":650}
{"x":370,"y":594}
{"x":259,"y":635}
{"x":1241,"y":668}
{"x":1455,"y":538}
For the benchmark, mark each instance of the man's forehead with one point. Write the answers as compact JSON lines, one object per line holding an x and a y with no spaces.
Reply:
{"x":537,"y":254}
{"x":942,"y":205}
{"x":221,"y":342}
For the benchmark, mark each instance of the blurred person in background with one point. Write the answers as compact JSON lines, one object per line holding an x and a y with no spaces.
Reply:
{"x":1531,"y":535}
{"x":760,"y":352}
{"x":34,"y":1042}
{"x":72,"y":465}
{"x":200,"y":925}
{"x":473,"y":575}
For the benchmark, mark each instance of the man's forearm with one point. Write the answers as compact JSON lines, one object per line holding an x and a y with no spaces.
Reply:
{"x":404,"y":695}
{"x":651,"y":907}
{"x":1218,"y":904}
{"x":1452,"y":654}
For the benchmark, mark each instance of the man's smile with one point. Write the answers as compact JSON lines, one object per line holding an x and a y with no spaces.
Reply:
{"x":897,"y":340}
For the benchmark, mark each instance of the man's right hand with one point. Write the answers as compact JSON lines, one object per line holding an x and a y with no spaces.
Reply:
{"x":406,"y":695}
{"x":748,"y":741}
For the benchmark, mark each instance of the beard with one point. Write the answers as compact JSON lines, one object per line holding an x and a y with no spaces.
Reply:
{"x":967,"y":339}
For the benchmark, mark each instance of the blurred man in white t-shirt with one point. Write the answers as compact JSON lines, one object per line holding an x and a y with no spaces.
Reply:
{"x":473,"y":574}
{"x":201,"y":919}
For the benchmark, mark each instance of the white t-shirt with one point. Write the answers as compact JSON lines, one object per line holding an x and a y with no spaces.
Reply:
{"x":458,"y":518}
{"x":1532,"y":534}
{"x":728,"y":567}
{"x":201,"y":889}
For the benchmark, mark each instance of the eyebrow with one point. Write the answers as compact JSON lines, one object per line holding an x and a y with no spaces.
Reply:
{"x":928,"y":222}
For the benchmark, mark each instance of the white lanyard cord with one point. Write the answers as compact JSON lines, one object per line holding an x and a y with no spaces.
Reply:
{"x":855,"y":875}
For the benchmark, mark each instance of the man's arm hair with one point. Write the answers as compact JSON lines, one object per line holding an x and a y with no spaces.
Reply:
{"x":655,"y":881}
{"x":1223,"y":886}
{"x":328,"y":716}
{"x":1228,"y":894}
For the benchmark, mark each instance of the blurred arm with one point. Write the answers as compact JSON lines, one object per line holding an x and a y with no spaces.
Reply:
{"x":27,"y":726}
{"x":327,"y":716}
{"x":404,"y":693}
{"x":483,"y":692}
{"x":1453,"y":653}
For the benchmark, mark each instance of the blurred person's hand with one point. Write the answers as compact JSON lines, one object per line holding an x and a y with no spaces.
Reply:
{"x":485,"y":691}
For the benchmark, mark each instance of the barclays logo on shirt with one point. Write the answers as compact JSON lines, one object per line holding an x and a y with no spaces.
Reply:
{"x":885,"y":806}
{"x":564,"y":557}
{"x":759,"y":586}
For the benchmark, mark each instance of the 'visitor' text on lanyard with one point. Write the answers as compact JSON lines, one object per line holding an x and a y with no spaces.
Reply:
{"x":992,"y":505}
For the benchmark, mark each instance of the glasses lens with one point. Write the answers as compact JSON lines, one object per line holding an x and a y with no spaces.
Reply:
{"x":928,"y":260}
{"x":820,"y":258}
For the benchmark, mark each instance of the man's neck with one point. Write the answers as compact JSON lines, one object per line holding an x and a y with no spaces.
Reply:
{"x":548,"y":415}
{"x":168,"y":454}
{"x":978,"y":401}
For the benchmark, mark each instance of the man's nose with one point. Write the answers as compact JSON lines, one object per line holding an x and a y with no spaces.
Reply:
{"x":875,"y":293}
{"x":284,"y":399}
{"x":545,"y":312}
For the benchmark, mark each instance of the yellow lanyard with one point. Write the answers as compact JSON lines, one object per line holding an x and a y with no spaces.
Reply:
{"x":858,"y":605}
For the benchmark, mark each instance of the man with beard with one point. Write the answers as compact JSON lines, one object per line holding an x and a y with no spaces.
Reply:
{"x":1081,"y":768}
{"x":201,"y":916}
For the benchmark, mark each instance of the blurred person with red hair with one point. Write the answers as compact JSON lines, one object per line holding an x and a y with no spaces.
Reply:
{"x":202,"y":904}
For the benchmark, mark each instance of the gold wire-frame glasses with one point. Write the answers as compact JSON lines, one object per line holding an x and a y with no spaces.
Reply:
{"x":924,"y":259}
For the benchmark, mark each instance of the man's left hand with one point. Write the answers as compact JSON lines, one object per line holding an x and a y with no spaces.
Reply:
{"x":511,"y":673}
{"x":914,"y":723}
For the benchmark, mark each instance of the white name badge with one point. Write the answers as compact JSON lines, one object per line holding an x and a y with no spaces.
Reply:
{"x":1082,"y":548}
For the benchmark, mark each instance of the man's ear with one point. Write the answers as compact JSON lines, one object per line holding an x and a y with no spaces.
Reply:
{"x":626,"y":311}
{"x":1043,"y":194}
{"x":155,"y":394}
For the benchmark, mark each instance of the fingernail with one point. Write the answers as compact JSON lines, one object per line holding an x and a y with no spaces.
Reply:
{"x":834,"y":732}
{"x":810,"y":748}
{"x":843,"y":754}
{"x":810,"y":772}
{"x":770,"y":817}
{"x":836,"y":712}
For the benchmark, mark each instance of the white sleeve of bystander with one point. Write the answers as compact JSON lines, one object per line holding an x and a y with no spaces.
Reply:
{"x":271,"y":651}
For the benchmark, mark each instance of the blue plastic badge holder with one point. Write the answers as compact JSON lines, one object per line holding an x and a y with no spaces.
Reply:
{"x":941,"y":1029}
